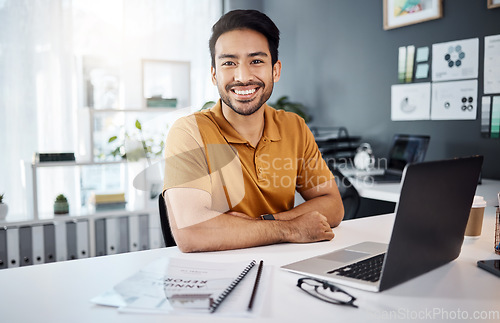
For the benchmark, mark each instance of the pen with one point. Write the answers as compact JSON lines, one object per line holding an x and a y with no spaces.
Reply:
{"x":255,"y":285}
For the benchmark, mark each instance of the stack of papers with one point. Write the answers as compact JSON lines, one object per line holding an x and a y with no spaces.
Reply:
{"x":165,"y":286}
{"x":105,"y":202}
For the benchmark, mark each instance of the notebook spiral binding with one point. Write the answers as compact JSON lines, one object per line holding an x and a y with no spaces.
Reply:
{"x":230,"y":288}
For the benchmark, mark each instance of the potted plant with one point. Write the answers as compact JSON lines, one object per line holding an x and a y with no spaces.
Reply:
{"x":141,"y":146}
{"x":284,"y":103}
{"x":4,"y":208}
{"x":61,"y":205}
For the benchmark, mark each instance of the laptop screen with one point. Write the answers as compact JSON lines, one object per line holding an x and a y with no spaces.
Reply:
{"x":407,"y":149}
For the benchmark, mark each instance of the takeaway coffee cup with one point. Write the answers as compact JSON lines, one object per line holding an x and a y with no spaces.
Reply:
{"x":476,"y":215}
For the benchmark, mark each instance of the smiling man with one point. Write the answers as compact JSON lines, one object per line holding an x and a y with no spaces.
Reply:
{"x":232,"y":171}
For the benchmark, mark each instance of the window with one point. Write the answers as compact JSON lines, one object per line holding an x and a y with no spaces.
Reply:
{"x":43,"y":47}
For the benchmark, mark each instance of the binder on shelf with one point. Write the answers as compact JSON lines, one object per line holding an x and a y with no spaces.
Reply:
{"x":112,"y":236}
{"x":155,"y":234}
{"x":49,"y":242}
{"x":61,"y":245}
{"x":82,"y":239}
{"x":133,"y":232}
{"x":144,"y":231}
{"x":53,"y":157}
{"x":100,"y":237}
{"x":71,"y":245}
{"x":123,"y":239}
{"x":38,"y":245}
{"x":3,"y":248}
{"x":25,"y":246}
{"x":13,"y":247}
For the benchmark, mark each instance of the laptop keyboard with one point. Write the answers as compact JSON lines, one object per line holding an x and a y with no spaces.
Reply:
{"x":368,"y":269}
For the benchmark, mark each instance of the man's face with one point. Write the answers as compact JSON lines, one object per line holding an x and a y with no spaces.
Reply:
{"x":243,"y":71}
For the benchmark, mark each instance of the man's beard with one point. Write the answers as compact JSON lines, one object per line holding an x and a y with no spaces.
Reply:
{"x":253,"y":107}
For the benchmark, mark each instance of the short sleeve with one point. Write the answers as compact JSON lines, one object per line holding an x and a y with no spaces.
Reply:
{"x":185,"y":158}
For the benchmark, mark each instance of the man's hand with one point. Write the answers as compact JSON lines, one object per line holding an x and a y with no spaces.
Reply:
{"x":310,"y":227}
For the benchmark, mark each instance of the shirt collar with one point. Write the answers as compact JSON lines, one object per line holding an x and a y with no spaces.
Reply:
{"x":271,"y":130}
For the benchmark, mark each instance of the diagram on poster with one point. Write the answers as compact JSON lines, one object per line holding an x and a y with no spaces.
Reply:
{"x":410,"y":101}
{"x":454,"y":100}
{"x":492,"y":64}
{"x":455,"y":60}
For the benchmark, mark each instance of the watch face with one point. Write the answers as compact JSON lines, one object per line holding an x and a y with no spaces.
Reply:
{"x":267,"y":217}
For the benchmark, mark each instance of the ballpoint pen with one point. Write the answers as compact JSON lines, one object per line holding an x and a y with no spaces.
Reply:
{"x":256,"y":284}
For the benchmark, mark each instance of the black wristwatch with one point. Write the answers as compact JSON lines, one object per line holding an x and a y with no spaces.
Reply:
{"x":267,"y":217}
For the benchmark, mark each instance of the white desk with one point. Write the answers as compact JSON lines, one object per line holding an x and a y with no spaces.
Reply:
{"x":390,"y":191}
{"x":60,"y":292}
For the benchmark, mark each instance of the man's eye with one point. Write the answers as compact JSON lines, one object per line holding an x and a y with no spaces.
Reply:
{"x":257,"y":61}
{"x":228,"y":63}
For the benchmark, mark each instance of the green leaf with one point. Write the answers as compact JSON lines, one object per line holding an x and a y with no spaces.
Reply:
{"x":138,"y":125}
{"x":112,"y":139}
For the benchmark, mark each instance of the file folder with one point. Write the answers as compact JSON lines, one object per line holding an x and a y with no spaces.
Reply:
{"x":61,"y":247}
{"x":155,"y":236}
{"x":82,"y":239}
{"x":144,"y":232}
{"x":25,"y":246}
{"x":13,"y":247}
{"x":3,"y":248}
{"x":37,"y":244}
{"x":133,"y":232}
{"x":123,"y":241}
{"x":71,"y":245}
{"x":49,"y":242}
{"x":100,"y":237}
{"x":112,"y":241}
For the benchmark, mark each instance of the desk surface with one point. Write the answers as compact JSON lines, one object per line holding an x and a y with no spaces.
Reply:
{"x":390,"y":191}
{"x":60,"y":292}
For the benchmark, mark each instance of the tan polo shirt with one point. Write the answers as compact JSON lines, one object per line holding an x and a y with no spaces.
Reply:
{"x":204,"y":151}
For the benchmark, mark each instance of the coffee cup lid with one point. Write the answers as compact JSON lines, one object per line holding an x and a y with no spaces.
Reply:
{"x":479,"y":201}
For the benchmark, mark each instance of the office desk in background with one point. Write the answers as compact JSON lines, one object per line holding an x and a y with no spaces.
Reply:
{"x":61,"y":292}
{"x":389,"y":192}
{"x":381,"y":198}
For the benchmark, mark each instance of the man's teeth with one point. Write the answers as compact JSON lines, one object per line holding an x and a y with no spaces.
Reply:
{"x":246,"y":92}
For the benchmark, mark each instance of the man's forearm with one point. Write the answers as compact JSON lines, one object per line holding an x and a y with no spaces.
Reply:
{"x":226,"y":232}
{"x":330,"y":207}
{"x":231,"y":232}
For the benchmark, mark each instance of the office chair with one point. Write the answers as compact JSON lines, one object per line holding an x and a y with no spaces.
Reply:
{"x":165,"y":224}
{"x":349,"y":194}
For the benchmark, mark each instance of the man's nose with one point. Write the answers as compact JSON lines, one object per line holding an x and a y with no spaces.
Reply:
{"x":243,"y":73}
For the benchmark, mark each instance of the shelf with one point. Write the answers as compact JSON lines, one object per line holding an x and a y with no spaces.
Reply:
{"x":77,"y":163}
{"x":50,"y":217}
{"x":139,"y":110}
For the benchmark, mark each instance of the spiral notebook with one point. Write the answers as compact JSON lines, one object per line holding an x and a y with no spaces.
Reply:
{"x":195,"y":285}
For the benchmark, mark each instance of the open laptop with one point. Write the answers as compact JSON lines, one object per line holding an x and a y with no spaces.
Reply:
{"x":405,"y":149}
{"x":428,"y":230}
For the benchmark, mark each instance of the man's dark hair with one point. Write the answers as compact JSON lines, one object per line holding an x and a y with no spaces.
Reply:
{"x":247,"y":19}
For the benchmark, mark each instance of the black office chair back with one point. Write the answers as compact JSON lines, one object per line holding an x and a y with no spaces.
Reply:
{"x":349,"y":194}
{"x":165,"y":224}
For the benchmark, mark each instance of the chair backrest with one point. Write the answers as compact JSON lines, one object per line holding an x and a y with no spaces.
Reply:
{"x":165,"y":224}
{"x":349,"y":194}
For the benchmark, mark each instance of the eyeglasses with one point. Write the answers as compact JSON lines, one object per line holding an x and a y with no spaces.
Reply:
{"x":326,"y":292}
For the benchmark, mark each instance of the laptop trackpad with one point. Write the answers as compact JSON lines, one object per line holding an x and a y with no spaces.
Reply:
{"x":344,"y":256}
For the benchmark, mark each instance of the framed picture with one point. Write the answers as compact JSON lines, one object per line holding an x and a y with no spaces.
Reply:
{"x":166,"y":84}
{"x":493,"y":4}
{"x":399,"y":13}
